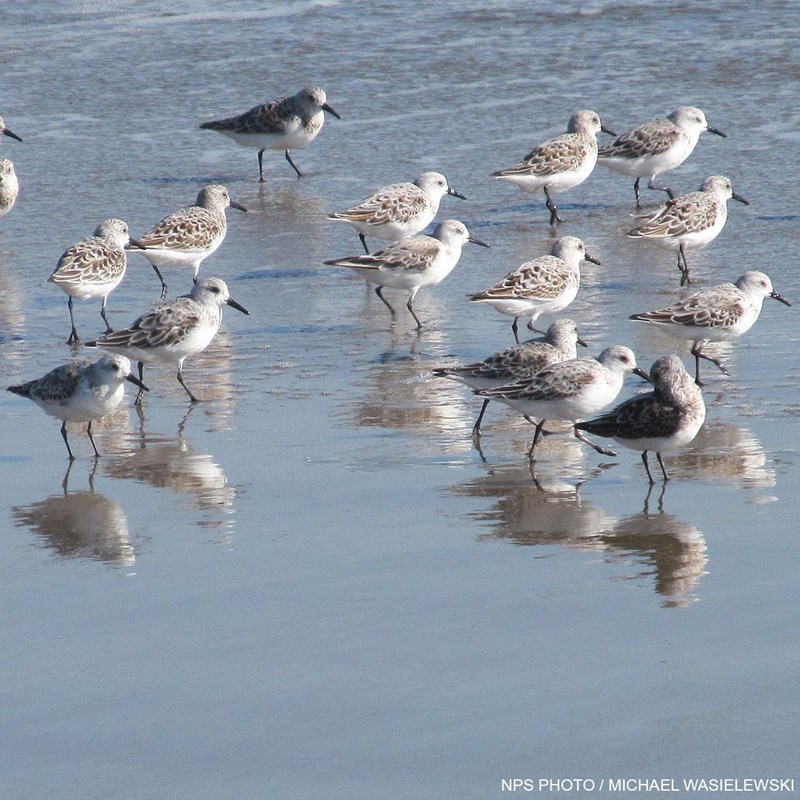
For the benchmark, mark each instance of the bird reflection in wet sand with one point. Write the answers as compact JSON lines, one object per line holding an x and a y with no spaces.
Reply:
{"x":80,"y":524}
{"x":174,"y":464}
{"x":549,"y":511}
{"x":727,"y":454}
{"x":671,"y":550}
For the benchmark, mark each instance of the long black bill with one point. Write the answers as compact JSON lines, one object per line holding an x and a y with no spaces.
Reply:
{"x":134,"y":380}
{"x":717,"y":131}
{"x":326,"y":107}
{"x":476,"y":241}
{"x":581,"y":342}
{"x":13,"y":135}
{"x":780,"y":298}
{"x":454,"y":193}
{"x":135,"y":244}
{"x":237,"y":206}
{"x":607,"y":130}
{"x":740,"y":198}
{"x":233,"y":304}
{"x":592,"y":259}
{"x":642,"y":374}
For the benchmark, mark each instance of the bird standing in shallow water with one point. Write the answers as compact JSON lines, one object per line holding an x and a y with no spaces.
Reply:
{"x":190,"y":235}
{"x":399,"y":210}
{"x":94,"y":267}
{"x":174,"y":331}
{"x":81,"y":391}
{"x":546,"y":285}
{"x":667,"y":418}
{"x":718,"y":314}
{"x":559,"y":164}
{"x":412,"y":263}
{"x":657,"y":146}
{"x":690,"y":221}
{"x":285,"y":124}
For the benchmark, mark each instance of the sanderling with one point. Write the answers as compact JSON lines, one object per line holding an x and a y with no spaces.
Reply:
{"x":399,"y":210}
{"x":412,"y":263}
{"x":9,"y":186}
{"x":174,"y":331}
{"x":559,"y":164}
{"x":81,"y":391}
{"x":94,"y":267}
{"x":189,"y":235}
{"x":6,"y":132}
{"x":518,"y":362}
{"x":569,"y":390}
{"x":667,"y":418}
{"x":657,"y":146}
{"x":285,"y":124}
{"x":718,"y":314}
{"x":690,"y":221}
{"x":545,"y":285}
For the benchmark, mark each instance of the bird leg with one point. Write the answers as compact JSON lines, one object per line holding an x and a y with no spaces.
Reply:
{"x":138,"y":401}
{"x":109,"y":329}
{"x":647,"y":467}
{"x":294,"y":166}
{"x":554,"y":218}
{"x":188,"y":391}
{"x":66,"y":442}
{"x":663,"y":468}
{"x":364,"y":242}
{"x":476,"y":428}
{"x":73,"y":336}
{"x":163,"y":282}
{"x":91,"y":439}
{"x":261,"y":165}
{"x":536,"y":436}
{"x":604,"y":451}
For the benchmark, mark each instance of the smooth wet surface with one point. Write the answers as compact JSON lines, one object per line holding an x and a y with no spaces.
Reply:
{"x":314,"y":584}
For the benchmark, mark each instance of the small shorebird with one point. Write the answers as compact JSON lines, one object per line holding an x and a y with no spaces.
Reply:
{"x":94,"y":267}
{"x":174,"y":331}
{"x":559,"y":164}
{"x":546,"y":285}
{"x":657,"y":146}
{"x":517,"y":362}
{"x":412,"y":263}
{"x":285,"y":124}
{"x":399,"y":210}
{"x":81,"y":391}
{"x":190,"y":235}
{"x":718,"y":314}
{"x":690,"y":221}
{"x":667,"y":418}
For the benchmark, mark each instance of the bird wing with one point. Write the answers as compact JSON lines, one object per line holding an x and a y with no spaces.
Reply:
{"x":649,"y":139}
{"x":409,"y":255}
{"x":161,"y":326}
{"x":189,"y":229}
{"x":90,"y":261}
{"x":561,"y":154}
{"x":396,"y":203}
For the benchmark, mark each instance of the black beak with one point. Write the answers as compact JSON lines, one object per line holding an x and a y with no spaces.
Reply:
{"x":717,"y":131}
{"x":780,"y":298}
{"x":581,"y":342}
{"x":607,"y":130}
{"x":642,"y":374}
{"x":134,"y":244}
{"x":477,"y":241}
{"x":13,"y":135}
{"x":237,"y":206}
{"x":454,"y":193}
{"x":592,"y":259}
{"x":326,"y":107}
{"x":740,"y":198}
{"x":134,"y":380}
{"x":233,"y":304}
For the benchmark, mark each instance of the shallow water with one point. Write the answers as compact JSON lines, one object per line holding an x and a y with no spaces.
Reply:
{"x":314,"y":584}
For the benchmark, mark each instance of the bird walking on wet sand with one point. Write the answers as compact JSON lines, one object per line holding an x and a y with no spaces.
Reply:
{"x":94,"y":267}
{"x":657,"y":146}
{"x":414,"y":263}
{"x":399,"y":210}
{"x":690,"y":221}
{"x":721,"y":313}
{"x":190,"y":235}
{"x":6,"y":132}
{"x":545,"y":285}
{"x":81,"y":391}
{"x":285,"y":124}
{"x":569,"y":390}
{"x":9,"y":186}
{"x":667,"y":418}
{"x":517,"y":362}
{"x":174,"y":331}
{"x":559,"y":164}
